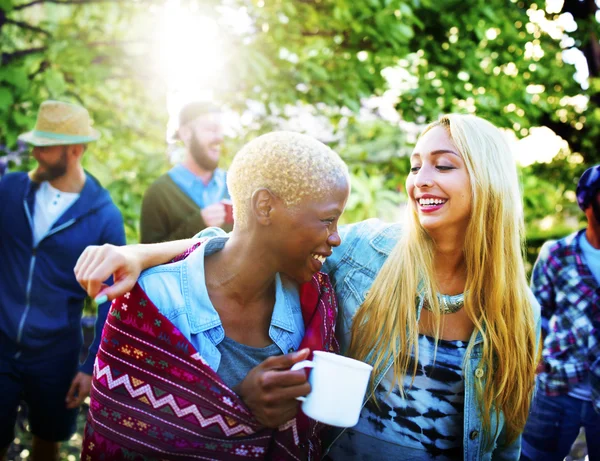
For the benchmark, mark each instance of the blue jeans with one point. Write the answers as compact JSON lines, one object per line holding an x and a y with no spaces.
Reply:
{"x":553,"y":426}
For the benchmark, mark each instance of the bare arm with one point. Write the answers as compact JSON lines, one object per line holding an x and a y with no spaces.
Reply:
{"x":125,"y":263}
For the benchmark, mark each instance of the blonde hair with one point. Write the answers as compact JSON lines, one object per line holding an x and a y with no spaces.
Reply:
{"x":291,"y":165}
{"x":496,"y":293}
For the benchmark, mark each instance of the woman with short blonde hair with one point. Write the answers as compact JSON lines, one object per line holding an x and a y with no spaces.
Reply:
{"x":195,"y":359}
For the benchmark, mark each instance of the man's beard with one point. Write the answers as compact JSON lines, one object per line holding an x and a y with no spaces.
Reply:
{"x":51,"y":172}
{"x":200,"y":155}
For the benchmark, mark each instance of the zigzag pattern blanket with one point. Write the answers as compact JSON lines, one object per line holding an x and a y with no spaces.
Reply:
{"x":154,"y":398}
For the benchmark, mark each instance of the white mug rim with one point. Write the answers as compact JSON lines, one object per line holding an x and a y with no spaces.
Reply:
{"x":342,"y":360}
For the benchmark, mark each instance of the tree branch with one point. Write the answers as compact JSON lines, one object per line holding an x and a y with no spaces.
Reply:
{"x":306,"y":33}
{"x":76,"y":96}
{"x":61,"y":2}
{"x":24,"y":25}
{"x":43,"y":66}
{"x":5,"y":58}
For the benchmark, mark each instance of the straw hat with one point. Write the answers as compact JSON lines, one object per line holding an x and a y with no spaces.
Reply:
{"x":60,"y":123}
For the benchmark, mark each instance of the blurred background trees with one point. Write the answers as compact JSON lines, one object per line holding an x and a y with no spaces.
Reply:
{"x":362,"y":75}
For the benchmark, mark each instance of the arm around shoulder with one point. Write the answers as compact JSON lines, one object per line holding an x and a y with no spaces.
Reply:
{"x":113,"y":234}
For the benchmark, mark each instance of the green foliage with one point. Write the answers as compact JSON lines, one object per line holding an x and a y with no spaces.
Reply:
{"x":500,"y":60}
{"x":374,"y":152}
{"x":549,"y":191}
{"x":494,"y":58}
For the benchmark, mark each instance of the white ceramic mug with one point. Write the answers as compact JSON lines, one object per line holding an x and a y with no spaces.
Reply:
{"x":338,"y":385}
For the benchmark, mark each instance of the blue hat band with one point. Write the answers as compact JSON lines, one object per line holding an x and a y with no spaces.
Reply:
{"x":62,"y":137}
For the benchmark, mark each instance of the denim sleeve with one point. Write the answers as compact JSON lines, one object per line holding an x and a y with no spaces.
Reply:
{"x":351,"y":235}
{"x":211,"y":232}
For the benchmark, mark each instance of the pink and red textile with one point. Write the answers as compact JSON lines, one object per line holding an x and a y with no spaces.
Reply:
{"x":154,"y":398}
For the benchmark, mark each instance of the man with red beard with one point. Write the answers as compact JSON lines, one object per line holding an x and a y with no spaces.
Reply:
{"x":47,"y":218}
{"x":190,"y":196}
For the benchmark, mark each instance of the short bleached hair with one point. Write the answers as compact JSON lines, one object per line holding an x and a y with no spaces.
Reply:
{"x":292,"y":166}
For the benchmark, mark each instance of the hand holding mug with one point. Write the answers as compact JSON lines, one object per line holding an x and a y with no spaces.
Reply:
{"x":338,"y":388}
{"x":270,"y":389}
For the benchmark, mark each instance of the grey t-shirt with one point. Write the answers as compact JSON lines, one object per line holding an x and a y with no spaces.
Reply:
{"x":238,"y":359}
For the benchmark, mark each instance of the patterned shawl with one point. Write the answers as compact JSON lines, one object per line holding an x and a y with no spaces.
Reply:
{"x":154,"y":398}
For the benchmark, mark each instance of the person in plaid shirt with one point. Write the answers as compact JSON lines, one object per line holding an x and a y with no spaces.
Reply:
{"x":566,"y":282}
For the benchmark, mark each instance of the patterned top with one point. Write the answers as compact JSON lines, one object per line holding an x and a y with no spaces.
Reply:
{"x":570,"y":299}
{"x":412,"y":428}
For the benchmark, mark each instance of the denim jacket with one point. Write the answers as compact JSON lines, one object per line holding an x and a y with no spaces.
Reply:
{"x":352,"y":269}
{"x":179,"y":291}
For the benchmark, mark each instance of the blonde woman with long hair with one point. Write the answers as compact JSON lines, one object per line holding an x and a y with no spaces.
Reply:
{"x":439,"y":305}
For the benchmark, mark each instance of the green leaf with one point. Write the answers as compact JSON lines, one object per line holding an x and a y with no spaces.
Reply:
{"x":16,"y":76}
{"x":6,"y":5}
{"x":352,"y":104}
{"x":6,"y":98}
{"x":55,"y":82}
{"x":317,"y":71}
{"x":405,"y":31}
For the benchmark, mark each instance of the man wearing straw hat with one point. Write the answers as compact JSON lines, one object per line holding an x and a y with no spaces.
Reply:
{"x":47,"y":218}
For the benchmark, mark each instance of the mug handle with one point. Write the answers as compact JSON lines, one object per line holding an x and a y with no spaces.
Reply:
{"x":301,"y":365}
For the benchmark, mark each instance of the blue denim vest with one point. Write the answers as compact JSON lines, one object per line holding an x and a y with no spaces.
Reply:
{"x":352,"y":269}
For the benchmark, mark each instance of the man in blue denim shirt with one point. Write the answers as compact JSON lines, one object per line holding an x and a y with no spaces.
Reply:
{"x":190,"y":196}
{"x":566,"y":282}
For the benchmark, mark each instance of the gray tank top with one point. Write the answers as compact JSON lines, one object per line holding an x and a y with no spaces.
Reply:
{"x":238,"y":359}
